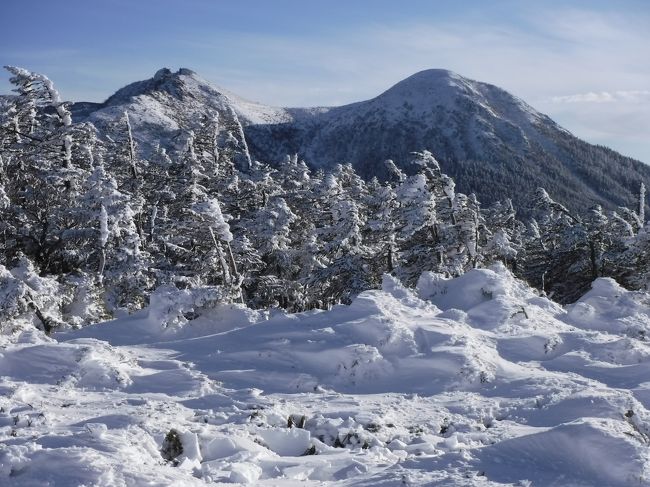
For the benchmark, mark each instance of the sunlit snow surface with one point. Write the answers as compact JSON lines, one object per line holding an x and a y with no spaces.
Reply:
{"x":471,"y":381}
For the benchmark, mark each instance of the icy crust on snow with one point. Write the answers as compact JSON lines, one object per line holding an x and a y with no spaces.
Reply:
{"x":469,"y":381}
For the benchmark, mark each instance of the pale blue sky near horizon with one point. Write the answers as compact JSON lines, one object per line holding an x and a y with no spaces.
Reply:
{"x":584,"y":63}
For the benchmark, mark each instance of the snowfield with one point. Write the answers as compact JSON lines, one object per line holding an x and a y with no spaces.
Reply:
{"x":470,"y":381}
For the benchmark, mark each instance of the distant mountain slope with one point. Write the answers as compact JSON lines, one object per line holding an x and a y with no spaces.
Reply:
{"x":161,"y":108}
{"x":491,"y":142}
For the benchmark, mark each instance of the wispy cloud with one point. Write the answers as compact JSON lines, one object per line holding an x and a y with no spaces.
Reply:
{"x":631,"y":96}
{"x":539,"y":57}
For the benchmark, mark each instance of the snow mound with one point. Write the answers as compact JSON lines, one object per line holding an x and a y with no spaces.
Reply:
{"x":472,"y":288}
{"x":584,"y":452}
{"x":609,"y":307}
{"x":475,"y":380}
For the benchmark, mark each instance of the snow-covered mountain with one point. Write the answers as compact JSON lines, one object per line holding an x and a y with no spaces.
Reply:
{"x":491,"y":142}
{"x":474,"y":381}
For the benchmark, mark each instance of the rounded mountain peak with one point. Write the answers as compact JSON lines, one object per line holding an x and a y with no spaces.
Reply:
{"x":432,"y":81}
{"x":434,"y":74}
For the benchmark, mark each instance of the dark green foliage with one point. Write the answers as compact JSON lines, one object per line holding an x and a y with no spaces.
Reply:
{"x":297,"y":421}
{"x":310,"y":451}
{"x":172,"y":446}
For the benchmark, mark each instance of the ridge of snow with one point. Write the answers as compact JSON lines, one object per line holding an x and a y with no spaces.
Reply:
{"x":186,"y":81}
{"x":433,"y":85}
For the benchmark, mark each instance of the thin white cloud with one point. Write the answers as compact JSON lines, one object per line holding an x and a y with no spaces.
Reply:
{"x":630,"y":96}
{"x":542,"y":57}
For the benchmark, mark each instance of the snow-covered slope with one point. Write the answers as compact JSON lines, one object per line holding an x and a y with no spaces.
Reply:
{"x":491,"y":142}
{"x":475,"y":381}
{"x":437,"y":101}
{"x":162,"y":107}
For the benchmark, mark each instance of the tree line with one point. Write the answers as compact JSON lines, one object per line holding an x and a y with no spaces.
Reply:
{"x":90,"y":229}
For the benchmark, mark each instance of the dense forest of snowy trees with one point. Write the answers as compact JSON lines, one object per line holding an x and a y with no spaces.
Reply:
{"x":91,"y":230}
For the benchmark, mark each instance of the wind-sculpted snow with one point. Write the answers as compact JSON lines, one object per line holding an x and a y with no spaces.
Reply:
{"x":470,"y":381}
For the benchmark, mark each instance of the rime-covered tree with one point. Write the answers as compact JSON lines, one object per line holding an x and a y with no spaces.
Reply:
{"x":344,"y":273}
{"x":546,"y":242}
{"x":117,"y":258}
{"x":379,"y":229}
{"x":270,"y":230}
{"x":415,"y":232}
{"x":503,"y":235}
{"x":195,"y":234}
{"x":46,"y":155}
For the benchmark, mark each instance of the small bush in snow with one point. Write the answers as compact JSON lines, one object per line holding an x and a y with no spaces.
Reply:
{"x":172,"y":446}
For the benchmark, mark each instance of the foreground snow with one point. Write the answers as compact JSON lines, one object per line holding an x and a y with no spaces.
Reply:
{"x":476,"y":382}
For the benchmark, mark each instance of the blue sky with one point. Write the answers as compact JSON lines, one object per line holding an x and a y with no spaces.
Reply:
{"x":585,"y":63}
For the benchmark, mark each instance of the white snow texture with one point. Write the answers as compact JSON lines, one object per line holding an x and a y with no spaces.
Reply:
{"x":470,"y":381}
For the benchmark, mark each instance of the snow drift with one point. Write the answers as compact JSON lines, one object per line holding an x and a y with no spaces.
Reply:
{"x":469,"y":381}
